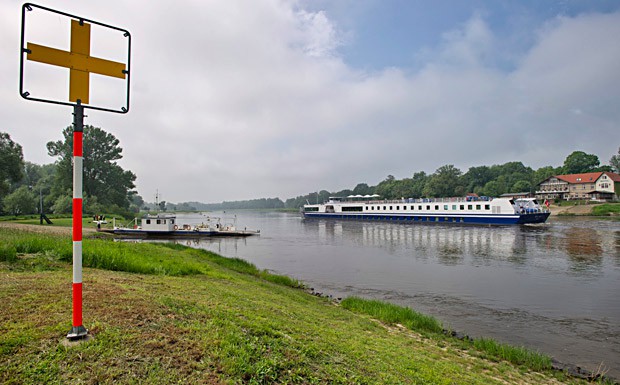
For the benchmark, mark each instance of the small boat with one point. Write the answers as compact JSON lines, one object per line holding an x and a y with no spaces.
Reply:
{"x":469,"y":210}
{"x":167,"y":226}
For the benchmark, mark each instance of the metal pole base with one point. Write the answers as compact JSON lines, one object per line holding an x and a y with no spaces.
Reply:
{"x":77,"y":332}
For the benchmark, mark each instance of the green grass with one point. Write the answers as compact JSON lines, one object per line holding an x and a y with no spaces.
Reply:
{"x":516,"y":355}
{"x":607,"y":209}
{"x":169,"y":314}
{"x":398,"y":315}
{"x":393,"y":314}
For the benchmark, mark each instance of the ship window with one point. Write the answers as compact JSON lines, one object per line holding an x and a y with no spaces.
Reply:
{"x":487,"y":207}
{"x":420,"y":207}
{"x":164,"y":221}
{"x":445,"y":207}
{"x":172,"y":221}
{"x":148,"y":221}
{"x":428,"y":207}
{"x":383,"y":207}
{"x":397,"y":207}
{"x":390,"y":207}
{"x":469,"y":207}
{"x":453,"y":207}
{"x":436,"y":207}
{"x":159,"y":221}
{"x":311,"y":209}
{"x":352,"y":208}
{"x":477,"y":207}
{"x":462,"y":207}
{"x":412,"y":208}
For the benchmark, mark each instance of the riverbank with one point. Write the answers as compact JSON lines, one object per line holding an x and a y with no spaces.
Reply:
{"x":585,"y":209}
{"x":192,"y":320}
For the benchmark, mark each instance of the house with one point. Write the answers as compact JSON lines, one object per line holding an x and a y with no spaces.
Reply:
{"x":599,"y":186}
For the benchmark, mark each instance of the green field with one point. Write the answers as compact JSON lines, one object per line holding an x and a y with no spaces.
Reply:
{"x":169,"y":314}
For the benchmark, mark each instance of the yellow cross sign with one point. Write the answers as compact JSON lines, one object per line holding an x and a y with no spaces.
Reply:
{"x":78,"y":60}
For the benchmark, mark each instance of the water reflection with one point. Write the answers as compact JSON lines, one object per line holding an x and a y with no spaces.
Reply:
{"x":583,"y":247}
{"x":449,"y":244}
{"x":583,"y":244}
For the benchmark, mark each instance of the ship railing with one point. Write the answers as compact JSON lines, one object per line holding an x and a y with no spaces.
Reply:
{"x":421,"y":200}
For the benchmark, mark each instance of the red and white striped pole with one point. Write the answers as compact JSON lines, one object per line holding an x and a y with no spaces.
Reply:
{"x":78,"y":330}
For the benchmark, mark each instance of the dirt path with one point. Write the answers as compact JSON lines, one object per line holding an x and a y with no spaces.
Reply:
{"x":575,"y":210}
{"x":44,"y":228}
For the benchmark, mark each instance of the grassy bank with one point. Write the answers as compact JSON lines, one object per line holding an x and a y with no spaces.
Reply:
{"x":607,"y":209}
{"x":168,"y":314}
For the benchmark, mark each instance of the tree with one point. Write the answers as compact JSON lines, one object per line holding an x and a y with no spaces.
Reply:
{"x":492,"y":189}
{"x":521,"y":186}
{"x":386,"y":187}
{"x":103,"y":177}
{"x":445,"y":182}
{"x":543,"y":173}
{"x":362,"y":189}
{"x":614,"y":162}
{"x":11,"y":163}
{"x":579,"y":162}
{"x":477,"y":177}
{"x":418,"y":181}
{"x":21,"y":201}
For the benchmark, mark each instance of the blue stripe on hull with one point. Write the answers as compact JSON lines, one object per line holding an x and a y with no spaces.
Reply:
{"x":496,"y":219}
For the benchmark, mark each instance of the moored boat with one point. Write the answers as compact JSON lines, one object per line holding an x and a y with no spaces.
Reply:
{"x":167,"y":226}
{"x":469,"y":210}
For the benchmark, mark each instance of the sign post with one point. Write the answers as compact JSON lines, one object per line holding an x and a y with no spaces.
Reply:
{"x":80,"y":64}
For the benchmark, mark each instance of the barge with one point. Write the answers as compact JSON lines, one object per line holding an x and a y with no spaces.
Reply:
{"x":167,"y":226}
{"x":466,"y":210}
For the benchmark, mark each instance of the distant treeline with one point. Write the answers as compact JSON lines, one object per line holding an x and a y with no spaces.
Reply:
{"x":446,"y":181}
{"x":253,"y":204}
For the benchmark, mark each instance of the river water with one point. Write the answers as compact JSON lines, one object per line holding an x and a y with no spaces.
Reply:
{"x":553,"y":287}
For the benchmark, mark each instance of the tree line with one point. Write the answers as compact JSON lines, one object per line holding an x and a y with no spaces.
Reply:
{"x":28,"y":188}
{"x":449,"y":181}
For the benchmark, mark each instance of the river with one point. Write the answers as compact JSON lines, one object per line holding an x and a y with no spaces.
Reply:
{"x":553,"y":287}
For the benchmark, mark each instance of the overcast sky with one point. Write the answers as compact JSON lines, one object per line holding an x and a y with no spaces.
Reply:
{"x":246,"y":99}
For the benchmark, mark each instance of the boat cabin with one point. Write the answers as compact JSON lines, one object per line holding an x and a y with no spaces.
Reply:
{"x":158,"y":222}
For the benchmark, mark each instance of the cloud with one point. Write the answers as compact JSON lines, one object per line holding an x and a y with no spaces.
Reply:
{"x":246,"y":99}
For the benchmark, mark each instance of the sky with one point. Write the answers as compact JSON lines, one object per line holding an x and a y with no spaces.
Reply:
{"x":244,"y":99}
